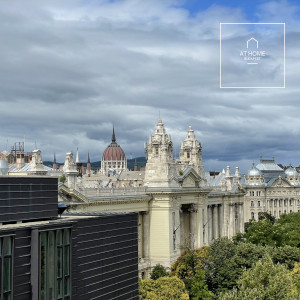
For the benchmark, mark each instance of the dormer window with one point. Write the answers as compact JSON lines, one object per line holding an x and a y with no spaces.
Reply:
{"x":156,"y":150}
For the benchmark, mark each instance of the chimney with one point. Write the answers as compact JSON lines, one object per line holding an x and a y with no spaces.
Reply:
{"x":20,"y":161}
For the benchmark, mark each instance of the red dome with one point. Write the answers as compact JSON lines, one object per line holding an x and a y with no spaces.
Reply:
{"x":113,"y":152}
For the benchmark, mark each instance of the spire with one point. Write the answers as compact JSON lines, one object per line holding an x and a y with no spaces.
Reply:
{"x":77,"y":156}
{"x":113,"y":138}
{"x":54,"y":166}
{"x":88,"y":157}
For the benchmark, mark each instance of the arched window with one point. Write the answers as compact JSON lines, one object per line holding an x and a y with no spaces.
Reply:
{"x":252,"y":203}
{"x":252,"y":215}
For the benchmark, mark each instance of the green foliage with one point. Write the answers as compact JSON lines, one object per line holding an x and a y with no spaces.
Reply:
{"x":285,"y":231}
{"x":221,"y":272}
{"x":266,"y":216}
{"x":296,"y":275}
{"x":188,"y":263}
{"x":164,"y":288}
{"x":180,"y":172}
{"x":158,"y":271}
{"x":62,"y":178}
{"x":199,"y":288}
{"x":264,"y":281}
{"x":285,"y":255}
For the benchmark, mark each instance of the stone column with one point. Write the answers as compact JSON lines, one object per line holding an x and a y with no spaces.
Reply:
{"x":193,"y":226}
{"x":215,"y":222}
{"x":231,"y":226}
{"x":210,"y":224}
{"x":226,"y":218}
{"x":182,"y":241}
{"x":146,"y":233}
{"x":205,"y":225}
{"x":221,"y":220}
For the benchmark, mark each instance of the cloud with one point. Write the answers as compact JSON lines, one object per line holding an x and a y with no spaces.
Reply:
{"x":71,"y":69}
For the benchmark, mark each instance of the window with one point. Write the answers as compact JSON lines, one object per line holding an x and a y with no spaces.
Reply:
{"x":156,"y":150}
{"x":258,"y":193}
{"x":258,"y":203}
{"x":6,"y":247}
{"x":275,"y":202}
{"x":252,"y":215}
{"x":55,"y":264}
{"x":285,"y":202}
{"x":291,"y":202}
{"x":188,"y":155}
{"x":252,"y":203}
{"x":251,"y":193}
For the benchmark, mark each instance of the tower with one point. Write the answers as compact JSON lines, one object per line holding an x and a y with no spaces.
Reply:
{"x":88,"y":166}
{"x":70,"y":170}
{"x":191,"y":153}
{"x":54,"y":166}
{"x":113,"y":158}
{"x":160,"y":167}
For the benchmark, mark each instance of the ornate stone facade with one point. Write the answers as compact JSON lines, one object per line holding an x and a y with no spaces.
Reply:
{"x":178,"y":207}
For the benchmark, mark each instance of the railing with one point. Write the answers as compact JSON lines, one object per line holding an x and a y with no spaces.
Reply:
{"x":90,"y":192}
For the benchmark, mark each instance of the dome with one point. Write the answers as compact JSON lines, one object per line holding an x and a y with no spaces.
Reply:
{"x":3,"y":167}
{"x":253,"y":171}
{"x":113,"y":152}
{"x":291,"y":172}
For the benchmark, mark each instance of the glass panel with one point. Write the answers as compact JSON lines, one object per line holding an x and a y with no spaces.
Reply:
{"x":67,"y":286}
{"x":67,"y":236}
{"x":59,"y":238}
{"x":51,"y":266}
{"x":59,"y":288}
{"x":43,"y":253}
{"x":59,"y":262}
{"x":7,"y":245}
{"x":7,"y":296}
{"x":7,"y":274}
{"x":67,"y":260}
{"x":0,"y":247}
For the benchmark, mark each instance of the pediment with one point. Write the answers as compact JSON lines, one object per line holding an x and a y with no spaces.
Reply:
{"x":280,"y":182}
{"x":190,"y":178}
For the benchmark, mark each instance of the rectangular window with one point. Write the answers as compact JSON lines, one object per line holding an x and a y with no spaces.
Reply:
{"x":55,"y":247}
{"x":6,"y":246}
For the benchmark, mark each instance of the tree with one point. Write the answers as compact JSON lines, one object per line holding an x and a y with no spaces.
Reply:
{"x":199,"y":288}
{"x":221,"y":271}
{"x":164,"y":288}
{"x":188,"y":263}
{"x":264,"y":281}
{"x":62,"y":178}
{"x":158,"y":271}
{"x":285,"y":231}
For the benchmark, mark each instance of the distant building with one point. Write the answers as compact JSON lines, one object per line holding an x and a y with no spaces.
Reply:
{"x":113,"y":159}
{"x":269,"y":188}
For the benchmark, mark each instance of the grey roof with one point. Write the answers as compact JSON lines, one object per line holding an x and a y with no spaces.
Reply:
{"x":131,"y":175}
{"x":216,"y":180}
{"x":26,"y":168}
{"x":291,"y":172}
{"x":254,"y":171}
{"x":268,"y":165}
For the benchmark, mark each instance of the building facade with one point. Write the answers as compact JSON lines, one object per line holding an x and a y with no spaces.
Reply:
{"x":75,"y":256}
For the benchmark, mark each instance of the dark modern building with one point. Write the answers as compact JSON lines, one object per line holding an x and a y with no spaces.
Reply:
{"x":43,"y":256}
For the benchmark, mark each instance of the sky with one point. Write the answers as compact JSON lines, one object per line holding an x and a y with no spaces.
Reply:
{"x":70,"y":70}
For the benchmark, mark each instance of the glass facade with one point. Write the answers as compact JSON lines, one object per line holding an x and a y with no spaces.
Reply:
{"x":55,"y":247}
{"x":6,"y":246}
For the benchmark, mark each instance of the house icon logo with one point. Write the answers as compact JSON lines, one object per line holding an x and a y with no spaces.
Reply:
{"x":251,"y":55}
{"x":252,"y":41}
